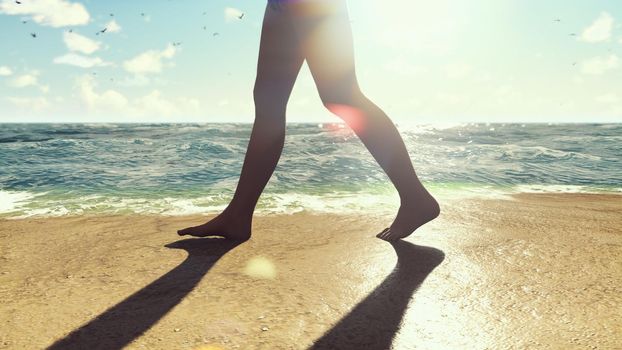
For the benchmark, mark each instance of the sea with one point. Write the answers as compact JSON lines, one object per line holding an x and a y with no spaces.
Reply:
{"x":51,"y":170}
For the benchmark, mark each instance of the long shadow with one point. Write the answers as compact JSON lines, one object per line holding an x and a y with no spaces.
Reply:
{"x":373,"y":322}
{"x":124,"y":322}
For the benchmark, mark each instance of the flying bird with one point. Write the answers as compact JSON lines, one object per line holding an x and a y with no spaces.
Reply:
{"x":557,"y":20}
{"x":18,"y":2}
{"x":34,"y":35}
{"x":240,"y":16}
{"x":572,"y":34}
{"x":112,"y":15}
{"x":176,"y":43}
{"x":101,"y":31}
{"x":24,"y":22}
{"x":215,"y":33}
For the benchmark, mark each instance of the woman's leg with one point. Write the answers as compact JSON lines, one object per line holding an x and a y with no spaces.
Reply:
{"x":280,"y":59}
{"x":324,"y":28}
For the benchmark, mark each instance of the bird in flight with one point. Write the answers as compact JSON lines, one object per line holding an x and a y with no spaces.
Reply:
{"x":176,"y":43}
{"x":101,"y":31}
{"x":34,"y":35}
{"x":18,"y":2}
{"x":215,"y":33}
{"x":240,"y":16}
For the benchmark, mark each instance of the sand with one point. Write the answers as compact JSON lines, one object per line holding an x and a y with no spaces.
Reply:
{"x":529,"y":271}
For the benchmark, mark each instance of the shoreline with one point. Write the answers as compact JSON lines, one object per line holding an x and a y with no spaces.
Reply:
{"x":540,"y":271}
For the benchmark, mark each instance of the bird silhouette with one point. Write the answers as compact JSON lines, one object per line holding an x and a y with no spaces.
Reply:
{"x":101,"y":31}
{"x":34,"y":35}
{"x":215,"y":33}
{"x":240,"y":16}
{"x":18,"y":2}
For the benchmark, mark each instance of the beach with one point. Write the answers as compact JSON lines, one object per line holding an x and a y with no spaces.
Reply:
{"x":532,"y":270}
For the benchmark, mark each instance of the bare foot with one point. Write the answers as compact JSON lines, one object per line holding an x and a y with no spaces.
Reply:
{"x":226,"y":225}
{"x":412,"y":214}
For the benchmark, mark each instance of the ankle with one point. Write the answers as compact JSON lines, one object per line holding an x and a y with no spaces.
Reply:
{"x":238,"y":212}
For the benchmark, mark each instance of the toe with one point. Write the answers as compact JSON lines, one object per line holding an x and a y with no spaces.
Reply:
{"x":381,"y":232}
{"x":385,"y":234}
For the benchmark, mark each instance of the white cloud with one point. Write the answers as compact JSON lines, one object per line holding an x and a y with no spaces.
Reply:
{"x":152,"y":105}
{"x":74,"y":59}
{"x":109,"y":100}
{"x":36,"y":104}
{"x":600,"y":30}
{"x":150,"y":61}
{"x":79,"y":43}
{"x":53,"y":13}
{"x":25,"y":80}
{"x":599,"y":65}
{"x":112,"y":27}
{"x":232,"y":14}
{"x":5,"y":71}
{"x":29,"y":79}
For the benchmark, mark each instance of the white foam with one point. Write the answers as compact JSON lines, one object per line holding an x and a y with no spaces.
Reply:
{"x":554,"y":189}
{"x":11,"y":201}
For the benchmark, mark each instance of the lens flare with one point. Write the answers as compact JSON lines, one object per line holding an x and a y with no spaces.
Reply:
{"x":352,"y":116}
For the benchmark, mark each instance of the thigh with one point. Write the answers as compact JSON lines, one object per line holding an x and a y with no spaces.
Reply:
{"x":280,"y":54}
{"x":323,"y":27}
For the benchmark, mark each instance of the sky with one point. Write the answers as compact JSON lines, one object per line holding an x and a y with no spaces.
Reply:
{"x":421,"y":61}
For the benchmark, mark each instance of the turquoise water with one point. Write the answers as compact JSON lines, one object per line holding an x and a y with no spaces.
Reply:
{"x":174,"y":169}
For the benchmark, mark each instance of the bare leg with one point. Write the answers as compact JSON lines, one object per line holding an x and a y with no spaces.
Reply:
{"x":324,"y":28}
{"x":280,"y":59}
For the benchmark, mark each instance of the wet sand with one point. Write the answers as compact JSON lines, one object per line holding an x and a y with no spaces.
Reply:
{"x":532,"y":271}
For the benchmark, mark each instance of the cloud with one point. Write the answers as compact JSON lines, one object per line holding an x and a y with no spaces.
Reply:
{"x":29,"y":79}
{"x":232,"y":14}
{"x":152,"y":105}
{"x":150,"y":61}
{"x":80,"y":61}
{"x":25,"y":80}
{"x":600,"y":30}
{"x":36,"y":104}
{"x":109,"y":100}
{"x":599,"y":65}
{"x":5,"y":71}
{"x":53,"y":13}
{"x":79,"y":43}
{"x":112,"y":27}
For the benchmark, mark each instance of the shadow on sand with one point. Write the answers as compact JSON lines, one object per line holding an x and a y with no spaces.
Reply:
{"x":124,"y":322}
{"x":373,"y":323}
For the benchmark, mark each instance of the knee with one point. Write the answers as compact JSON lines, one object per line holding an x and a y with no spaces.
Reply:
{"x":346,"y":103}
{"x":344,"y":94}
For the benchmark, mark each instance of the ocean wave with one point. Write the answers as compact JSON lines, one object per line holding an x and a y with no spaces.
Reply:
{"x":11,"y":201}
